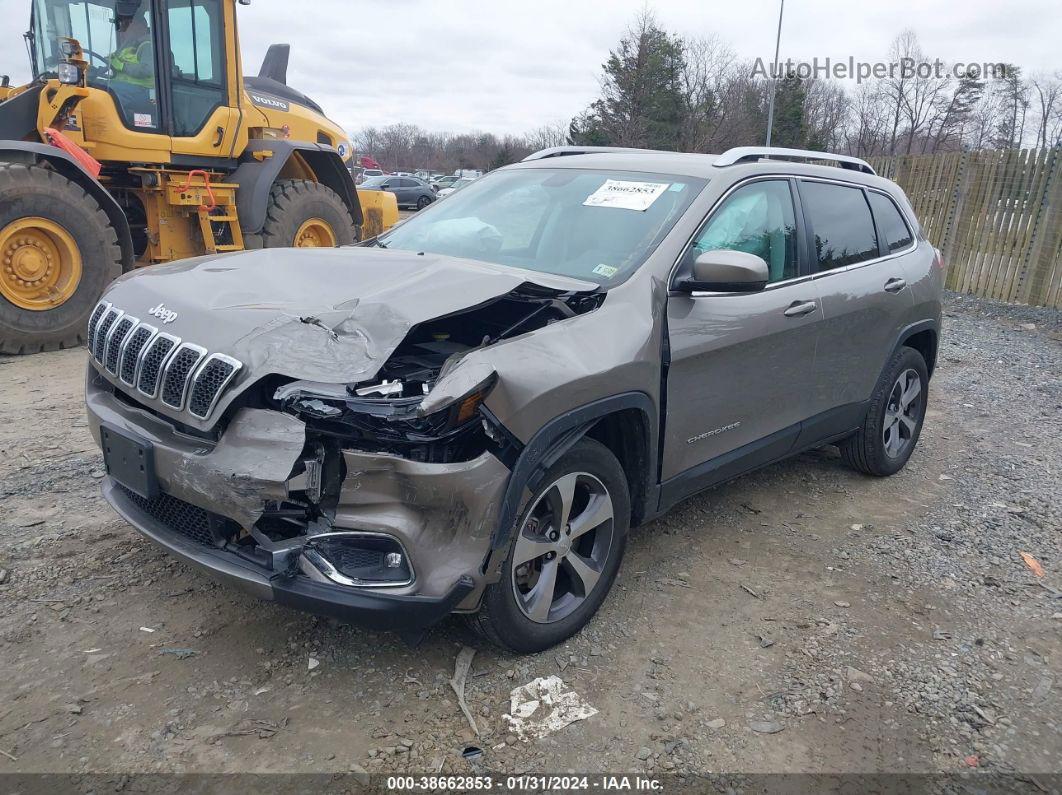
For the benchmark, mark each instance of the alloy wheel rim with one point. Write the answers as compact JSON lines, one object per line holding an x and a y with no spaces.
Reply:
{"x":40,"y":264}
{"x":902,"y":413}
{"x":315,"y":233}
{"x":562,"y":547}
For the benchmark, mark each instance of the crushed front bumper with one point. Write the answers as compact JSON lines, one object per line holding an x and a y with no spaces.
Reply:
{"x":440,"y":514}
{"x":361,"y":606}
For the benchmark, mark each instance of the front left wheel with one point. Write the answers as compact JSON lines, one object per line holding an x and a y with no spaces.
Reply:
{"x":58,"y":251}
{"x":566,"y":552}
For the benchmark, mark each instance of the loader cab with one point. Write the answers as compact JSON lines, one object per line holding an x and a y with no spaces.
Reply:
{"x":168,"y":67}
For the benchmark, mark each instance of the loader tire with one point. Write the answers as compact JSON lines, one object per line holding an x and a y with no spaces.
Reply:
{"x":58,"y":251}
{"x":306,"y":214}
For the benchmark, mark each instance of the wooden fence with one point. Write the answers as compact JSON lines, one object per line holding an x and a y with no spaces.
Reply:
{"x":996,"y":216}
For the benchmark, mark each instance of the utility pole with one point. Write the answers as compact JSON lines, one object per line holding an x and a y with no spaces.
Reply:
{"x":774,"y":77}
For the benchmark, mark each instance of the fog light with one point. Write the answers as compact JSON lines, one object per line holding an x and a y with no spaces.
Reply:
{"x":359,"y":558}
{"x":68,"y":73}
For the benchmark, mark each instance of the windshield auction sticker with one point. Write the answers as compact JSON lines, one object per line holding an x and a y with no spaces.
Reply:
{"x":626,"y":195}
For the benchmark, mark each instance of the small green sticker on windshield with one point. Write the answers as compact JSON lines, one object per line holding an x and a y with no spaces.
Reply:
{"x":605,"y":270}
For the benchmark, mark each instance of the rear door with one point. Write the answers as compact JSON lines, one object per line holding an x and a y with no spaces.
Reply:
{"x":741,"y":364}
{"x":860,"y":280}
{"x":404,"y":189}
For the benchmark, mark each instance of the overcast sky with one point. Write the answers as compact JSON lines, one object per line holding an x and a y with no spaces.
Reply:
{"x":509,"y":67}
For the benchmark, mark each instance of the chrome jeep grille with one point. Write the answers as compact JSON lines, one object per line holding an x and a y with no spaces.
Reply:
{"x":115,"y":338}
{"x":159,"y":366}
{"x":177,"y":373}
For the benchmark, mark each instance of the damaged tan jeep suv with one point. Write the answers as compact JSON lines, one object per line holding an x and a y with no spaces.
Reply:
{"x":468,"y":413}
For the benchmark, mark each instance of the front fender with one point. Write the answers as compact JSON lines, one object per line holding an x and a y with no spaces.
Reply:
{"x":30,"y":152}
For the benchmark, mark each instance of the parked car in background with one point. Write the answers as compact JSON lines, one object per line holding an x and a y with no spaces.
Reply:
{"x":444,"y":182}
{"x":455,"y":186}
{"x":367,"y":173}
{"x":408,"y":191}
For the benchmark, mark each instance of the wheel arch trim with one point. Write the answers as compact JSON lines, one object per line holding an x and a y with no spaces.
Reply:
{"x":557,"y":437}
{"x":917,"y":328}
{"x":31,"y":152}
{"x":256,"y":178}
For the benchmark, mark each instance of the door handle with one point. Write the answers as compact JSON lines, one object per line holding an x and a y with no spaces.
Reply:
{"x":220,"y":137}
{"x":895,"y":285}
{"x":798,"y":308}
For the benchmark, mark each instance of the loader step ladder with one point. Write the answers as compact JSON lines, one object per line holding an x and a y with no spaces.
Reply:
{"x":210,"y":197}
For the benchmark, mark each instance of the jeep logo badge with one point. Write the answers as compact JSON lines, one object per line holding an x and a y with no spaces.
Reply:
{"x":162,"y":313}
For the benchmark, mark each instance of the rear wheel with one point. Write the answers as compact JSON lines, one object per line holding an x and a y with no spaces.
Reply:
{"x":306,"y":214}
{"x":893,"y":423}
{"x":58,"y":251}
{"x":566,"y":552}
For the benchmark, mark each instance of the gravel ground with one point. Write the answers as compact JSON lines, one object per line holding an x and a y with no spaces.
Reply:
{"x":801,"y":619}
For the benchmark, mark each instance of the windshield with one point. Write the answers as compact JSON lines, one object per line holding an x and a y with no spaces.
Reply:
{"x":593,"y":225}
{"x":374,"y":182}
{"x":116,"y":37}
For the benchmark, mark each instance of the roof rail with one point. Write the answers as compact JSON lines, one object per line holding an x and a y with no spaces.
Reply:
{"x":560,"y":151}
{"x":744,"y":154}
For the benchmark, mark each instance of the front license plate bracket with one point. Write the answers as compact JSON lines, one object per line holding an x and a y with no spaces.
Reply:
{"x":130,"y":460}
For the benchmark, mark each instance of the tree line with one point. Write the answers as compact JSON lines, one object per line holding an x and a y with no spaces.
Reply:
{"x":660,"y":90}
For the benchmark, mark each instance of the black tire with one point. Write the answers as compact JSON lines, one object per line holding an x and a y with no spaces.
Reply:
{"x":866,"y":450}
{"x":500,"y":618}
{"x":423,"y":202}
{"x":292,"y":202}
{"x":35,"y":191}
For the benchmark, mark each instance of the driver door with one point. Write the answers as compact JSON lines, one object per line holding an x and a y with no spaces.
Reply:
{"x":203,"y":79}
{"x":742,"y":364}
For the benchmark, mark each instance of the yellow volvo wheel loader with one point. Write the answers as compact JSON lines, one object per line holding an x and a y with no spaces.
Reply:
{"x":139,"y":141}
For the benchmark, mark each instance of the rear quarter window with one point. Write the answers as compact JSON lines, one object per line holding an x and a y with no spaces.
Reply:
{"x":841,"y":223}
{"x":894,"y":231}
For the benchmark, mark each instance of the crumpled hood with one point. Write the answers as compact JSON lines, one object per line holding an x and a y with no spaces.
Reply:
{"x":331,"y":315}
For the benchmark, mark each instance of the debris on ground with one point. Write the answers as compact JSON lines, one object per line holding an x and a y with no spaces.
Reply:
{"x":543,"y":706}
{"x":461,"y":668}
{"x":260,"y":728}
{"x":1033,"y":564}
{"x":766,"y":726}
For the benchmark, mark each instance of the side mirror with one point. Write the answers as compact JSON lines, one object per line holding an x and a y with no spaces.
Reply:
{"x":726,"y":271}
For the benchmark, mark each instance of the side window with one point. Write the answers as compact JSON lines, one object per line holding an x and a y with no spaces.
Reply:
{"x":757,"y":219}
{"x":197,"y":54}
{"x":895,"y":233}
{"x":840,"y":218}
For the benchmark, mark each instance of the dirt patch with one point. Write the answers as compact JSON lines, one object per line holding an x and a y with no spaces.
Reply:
{"x":804,"y":618}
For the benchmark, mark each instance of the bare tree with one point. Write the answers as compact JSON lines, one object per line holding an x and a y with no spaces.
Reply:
{"x":554,"y":134}
{"x":1048,"y":101}
{"x":896,"y":87}
{"x":707,"y":68}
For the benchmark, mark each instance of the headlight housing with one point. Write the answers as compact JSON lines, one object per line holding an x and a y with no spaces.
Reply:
{"x":68,"y":73}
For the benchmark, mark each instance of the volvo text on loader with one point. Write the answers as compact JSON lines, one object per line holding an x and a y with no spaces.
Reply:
{"x":139,"y":141}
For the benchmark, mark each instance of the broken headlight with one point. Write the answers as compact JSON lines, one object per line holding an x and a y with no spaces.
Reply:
{"x":435,"y":428}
